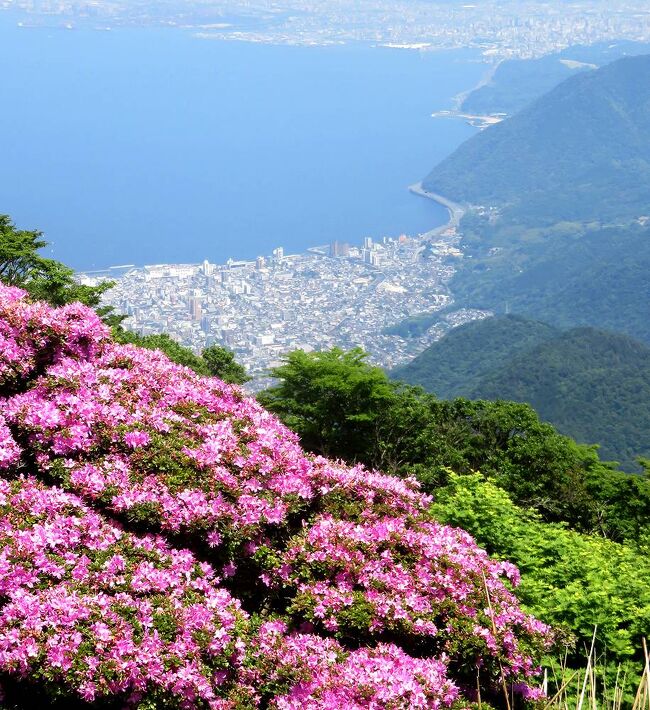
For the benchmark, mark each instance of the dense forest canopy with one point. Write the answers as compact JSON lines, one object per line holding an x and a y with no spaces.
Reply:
{"x":592,"y":385}
{"x":451,"y":366}
{"x":345,"y":408}
{"x":567,"y":275}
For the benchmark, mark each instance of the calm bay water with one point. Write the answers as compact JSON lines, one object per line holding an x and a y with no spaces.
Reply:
{"x":148,"y":146}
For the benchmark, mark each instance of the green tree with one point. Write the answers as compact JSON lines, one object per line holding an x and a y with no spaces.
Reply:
{"x":221,"y":363}
{"x":344,"y":408}
{"x":54,"y":282}
{"x":21,"y":264}
{"x":568,"y":579}
{"x":334,"y":400}
{"x":645,"y":465}
{"x":622,"y":504}
{"x":539,"y":467}
{"x":19,"y":257}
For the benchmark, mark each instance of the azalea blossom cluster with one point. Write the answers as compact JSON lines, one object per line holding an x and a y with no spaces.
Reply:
{"x":105,"y":612}
{"x":323,"y":675}
{"x":175,"y":541}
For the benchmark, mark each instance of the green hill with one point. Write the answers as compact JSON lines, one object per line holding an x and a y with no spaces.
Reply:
{"x":452,"y":366}
{"x":592,"y":385}
{"x":578,"y":153}
{"x":567,"y":238}
{"x":568,"y":275}
{"x":517,"y":82}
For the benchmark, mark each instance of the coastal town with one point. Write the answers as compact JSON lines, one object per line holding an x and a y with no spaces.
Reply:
{"x":500,"y":29}
{"x":340,"y":294}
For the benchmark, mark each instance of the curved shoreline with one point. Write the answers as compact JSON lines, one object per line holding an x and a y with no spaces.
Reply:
{"x":455,"y":210}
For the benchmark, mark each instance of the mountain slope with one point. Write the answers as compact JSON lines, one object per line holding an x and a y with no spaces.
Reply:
{"x":452,"y":366}
{"x":591,"y":384}
{"x":580,"y":152}
{"x":568,"y":240}
{"x":565,"y":275}
{"x":517,"y":82}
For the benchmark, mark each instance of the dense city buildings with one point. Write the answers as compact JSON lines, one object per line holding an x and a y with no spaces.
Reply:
{"x":338,"y":294}
{"x":521,"y":28}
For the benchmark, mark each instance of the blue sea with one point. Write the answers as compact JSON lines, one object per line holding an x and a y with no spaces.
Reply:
{"x":151,"y":145}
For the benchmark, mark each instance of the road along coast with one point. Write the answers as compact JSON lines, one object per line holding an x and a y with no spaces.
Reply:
{"x":456,"y":210}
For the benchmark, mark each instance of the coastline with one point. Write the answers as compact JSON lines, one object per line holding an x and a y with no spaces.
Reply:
{"x":458,"y":100}
{"x":476,"y":120}
{"x":455,"y":210}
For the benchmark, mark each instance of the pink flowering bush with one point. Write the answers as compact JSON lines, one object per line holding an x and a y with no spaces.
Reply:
{"x":323,"y":675}
{"x":167,"y":543}
{"x":103,"y":612}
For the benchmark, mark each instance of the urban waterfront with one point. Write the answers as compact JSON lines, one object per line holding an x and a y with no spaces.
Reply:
{"x":340,"y":294}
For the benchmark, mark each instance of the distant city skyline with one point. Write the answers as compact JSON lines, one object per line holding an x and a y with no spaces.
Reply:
{"x":510,"y":28}
{"x":327,"y":296}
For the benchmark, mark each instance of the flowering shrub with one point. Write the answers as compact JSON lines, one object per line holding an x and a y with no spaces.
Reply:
{"x":166,"y":540}
{"x":103,"y":611}
{"x":322,"y":675}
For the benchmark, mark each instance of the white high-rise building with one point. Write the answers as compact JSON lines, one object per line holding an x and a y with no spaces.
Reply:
{"x":207,"y":268}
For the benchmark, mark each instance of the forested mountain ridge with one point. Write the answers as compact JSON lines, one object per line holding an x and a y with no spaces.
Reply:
{"x":568,"y":275}
{"x":517,"y":82}
{"x":560,"y":229}
{"x":592,"y":385}
{"x":580,"y":152}
{"x":452,"y":366}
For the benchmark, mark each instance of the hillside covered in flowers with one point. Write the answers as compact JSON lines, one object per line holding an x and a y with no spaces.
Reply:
{"x":166,"y":542}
